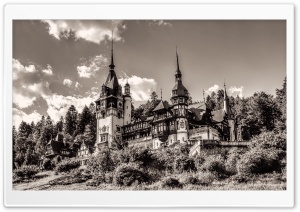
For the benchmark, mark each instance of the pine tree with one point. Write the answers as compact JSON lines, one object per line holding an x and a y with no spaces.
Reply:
{"x":281,"y":104}
{"x":70,"y":121}
{"x":84,"y":119}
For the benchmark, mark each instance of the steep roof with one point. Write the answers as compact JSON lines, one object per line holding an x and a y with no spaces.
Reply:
{"x":112,"y":80}
{"x":161,"y":105}
{"x":179,"y":87}
{"x":197,"y":113}
{"x":199,"y":105}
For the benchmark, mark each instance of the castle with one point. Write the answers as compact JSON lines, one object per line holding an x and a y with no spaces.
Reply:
{"x":175,"y":122}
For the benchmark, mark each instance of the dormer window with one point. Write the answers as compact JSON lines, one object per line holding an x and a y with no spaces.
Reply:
{"x":174,"y":92}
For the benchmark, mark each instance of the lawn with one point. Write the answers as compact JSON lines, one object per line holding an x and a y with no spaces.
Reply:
{"x":41,"y":182}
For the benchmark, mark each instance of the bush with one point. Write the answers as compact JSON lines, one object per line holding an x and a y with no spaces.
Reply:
{"x":171,"y":183}
{"x":184,"y":163}
{"x":25,"y":172}
{"x":47,"y":164}
{"x":127,"y":174}
{"x":200,"y":159}
{"x":101,"y":163}
{"x":56,"y":160}
{"x":233,"y":157}
{"x":109,"y":177}
{"x":205,"y":178}
{"x":215,"y":165}
{"x":67,"y":165}
{"x":258,"y":161}
{"x":189,"y":179}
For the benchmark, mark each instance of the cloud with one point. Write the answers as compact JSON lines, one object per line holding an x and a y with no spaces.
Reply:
{"x":89,"y":68}
{"x":160,"y":23}
{"x":93,"y":31}
{"x":19,"y":68}
{"x":58,"y":105}
{"x":140,"y":88}
{"x":48,"y":70}
{"x":234,"y":91}
{"x":19,"y":116}
{"x":22,"y":101}
{"x":67,"y":82}
{"x":78,"y":85}
{"x":214,"y":88}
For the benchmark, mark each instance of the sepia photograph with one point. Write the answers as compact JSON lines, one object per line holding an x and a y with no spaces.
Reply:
{"x":149,"y":105}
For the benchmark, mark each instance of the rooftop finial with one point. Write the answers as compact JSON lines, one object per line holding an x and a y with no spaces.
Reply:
{"x":204,"y":95}
{"x":161,"y":93}
{"x":177,"y":60}
{"x":112,"y":51}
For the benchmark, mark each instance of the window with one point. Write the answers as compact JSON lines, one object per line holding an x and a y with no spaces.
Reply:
{"x":119,"y":115}
{"x":127,"y":107}
{"x":118,"y":129}
{"x":180,"y":100}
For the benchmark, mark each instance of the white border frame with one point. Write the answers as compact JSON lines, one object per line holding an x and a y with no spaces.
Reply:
{"x":14,"y":198}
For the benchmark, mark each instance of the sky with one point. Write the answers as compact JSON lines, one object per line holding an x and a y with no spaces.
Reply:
{"x":57,"y":63}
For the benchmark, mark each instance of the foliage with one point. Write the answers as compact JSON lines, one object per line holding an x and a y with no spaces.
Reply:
{"x":206,"y":178}
{"x":26,"y":171}
{"x":127,"y":174}
{"x":170,"y":183}
{"x":75,"y":176}
{"x":101,"y":163}
{"x":233,"y":157}
{"x":259,"y":161}
{"x":70,"y":121}
{"x":184,"y":163}
{"x":47,"y":164}
{"x":67,"y":165}
{"x":199,"y":159}
{"x":215,"y":165}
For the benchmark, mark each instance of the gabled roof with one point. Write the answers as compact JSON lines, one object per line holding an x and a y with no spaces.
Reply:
{"x":161,"y":105}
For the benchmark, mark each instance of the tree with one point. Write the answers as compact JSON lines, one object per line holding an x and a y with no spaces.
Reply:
{"x":24,"y":130}
{"x":84,"y":119}
{"x":281,"y":104}
{"x":70,"y":121}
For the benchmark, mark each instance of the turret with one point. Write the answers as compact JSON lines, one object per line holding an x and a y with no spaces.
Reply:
{"x":127,"y":104}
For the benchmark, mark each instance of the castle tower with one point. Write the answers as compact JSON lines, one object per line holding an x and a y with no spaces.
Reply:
{"x":231,"y":122}
{"x":127,"y":104}
{"x":109,"y":109}
{"x":179,"y":100}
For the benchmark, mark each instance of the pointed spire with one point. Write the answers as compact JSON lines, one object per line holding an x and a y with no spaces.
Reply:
{"x":112,"y":66}
{"x":161,"y":93}
{"x":204,"y":95}
{"x":178,"y":72}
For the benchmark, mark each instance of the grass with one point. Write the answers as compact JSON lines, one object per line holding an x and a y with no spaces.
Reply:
{"x":263,"y":182}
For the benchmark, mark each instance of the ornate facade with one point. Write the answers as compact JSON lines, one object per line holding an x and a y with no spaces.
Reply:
{"x":172,"y":122}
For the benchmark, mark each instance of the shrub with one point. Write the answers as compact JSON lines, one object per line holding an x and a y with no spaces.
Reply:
{"x":127,"y":174}
{"x":109,"y":177}
{"x":56,"y":160}
{"x":200,"y":159}
{"x":189,"y":179}
{"x":240,"y":178}
{"x":233,"y":157}
{"x":258,"y":161}
{"x":171,"y":183}
{"x":47,"y":164}
{"x":67,"y":165}
{"x":184,"y":163}
{"x":205,"y":178}
{"x":26,"y":172}
{"x":101,"y":163}
{"x":215,"y":165}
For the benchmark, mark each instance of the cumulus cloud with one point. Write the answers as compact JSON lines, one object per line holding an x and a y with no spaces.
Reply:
{"x":22,"y":101}
{"x":94,"y":31}
{"x":78,"y":85}
{"x":48,"y":70}
{"x":67,"y":82}
{"x":19,"y":116}
{"x":19,"y":68}
{"x":140,"y":88}
{"x":214,"y":88}
{"x":58,"y":105}
{"x":234,"y":91}
{"x":89,"y":68}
